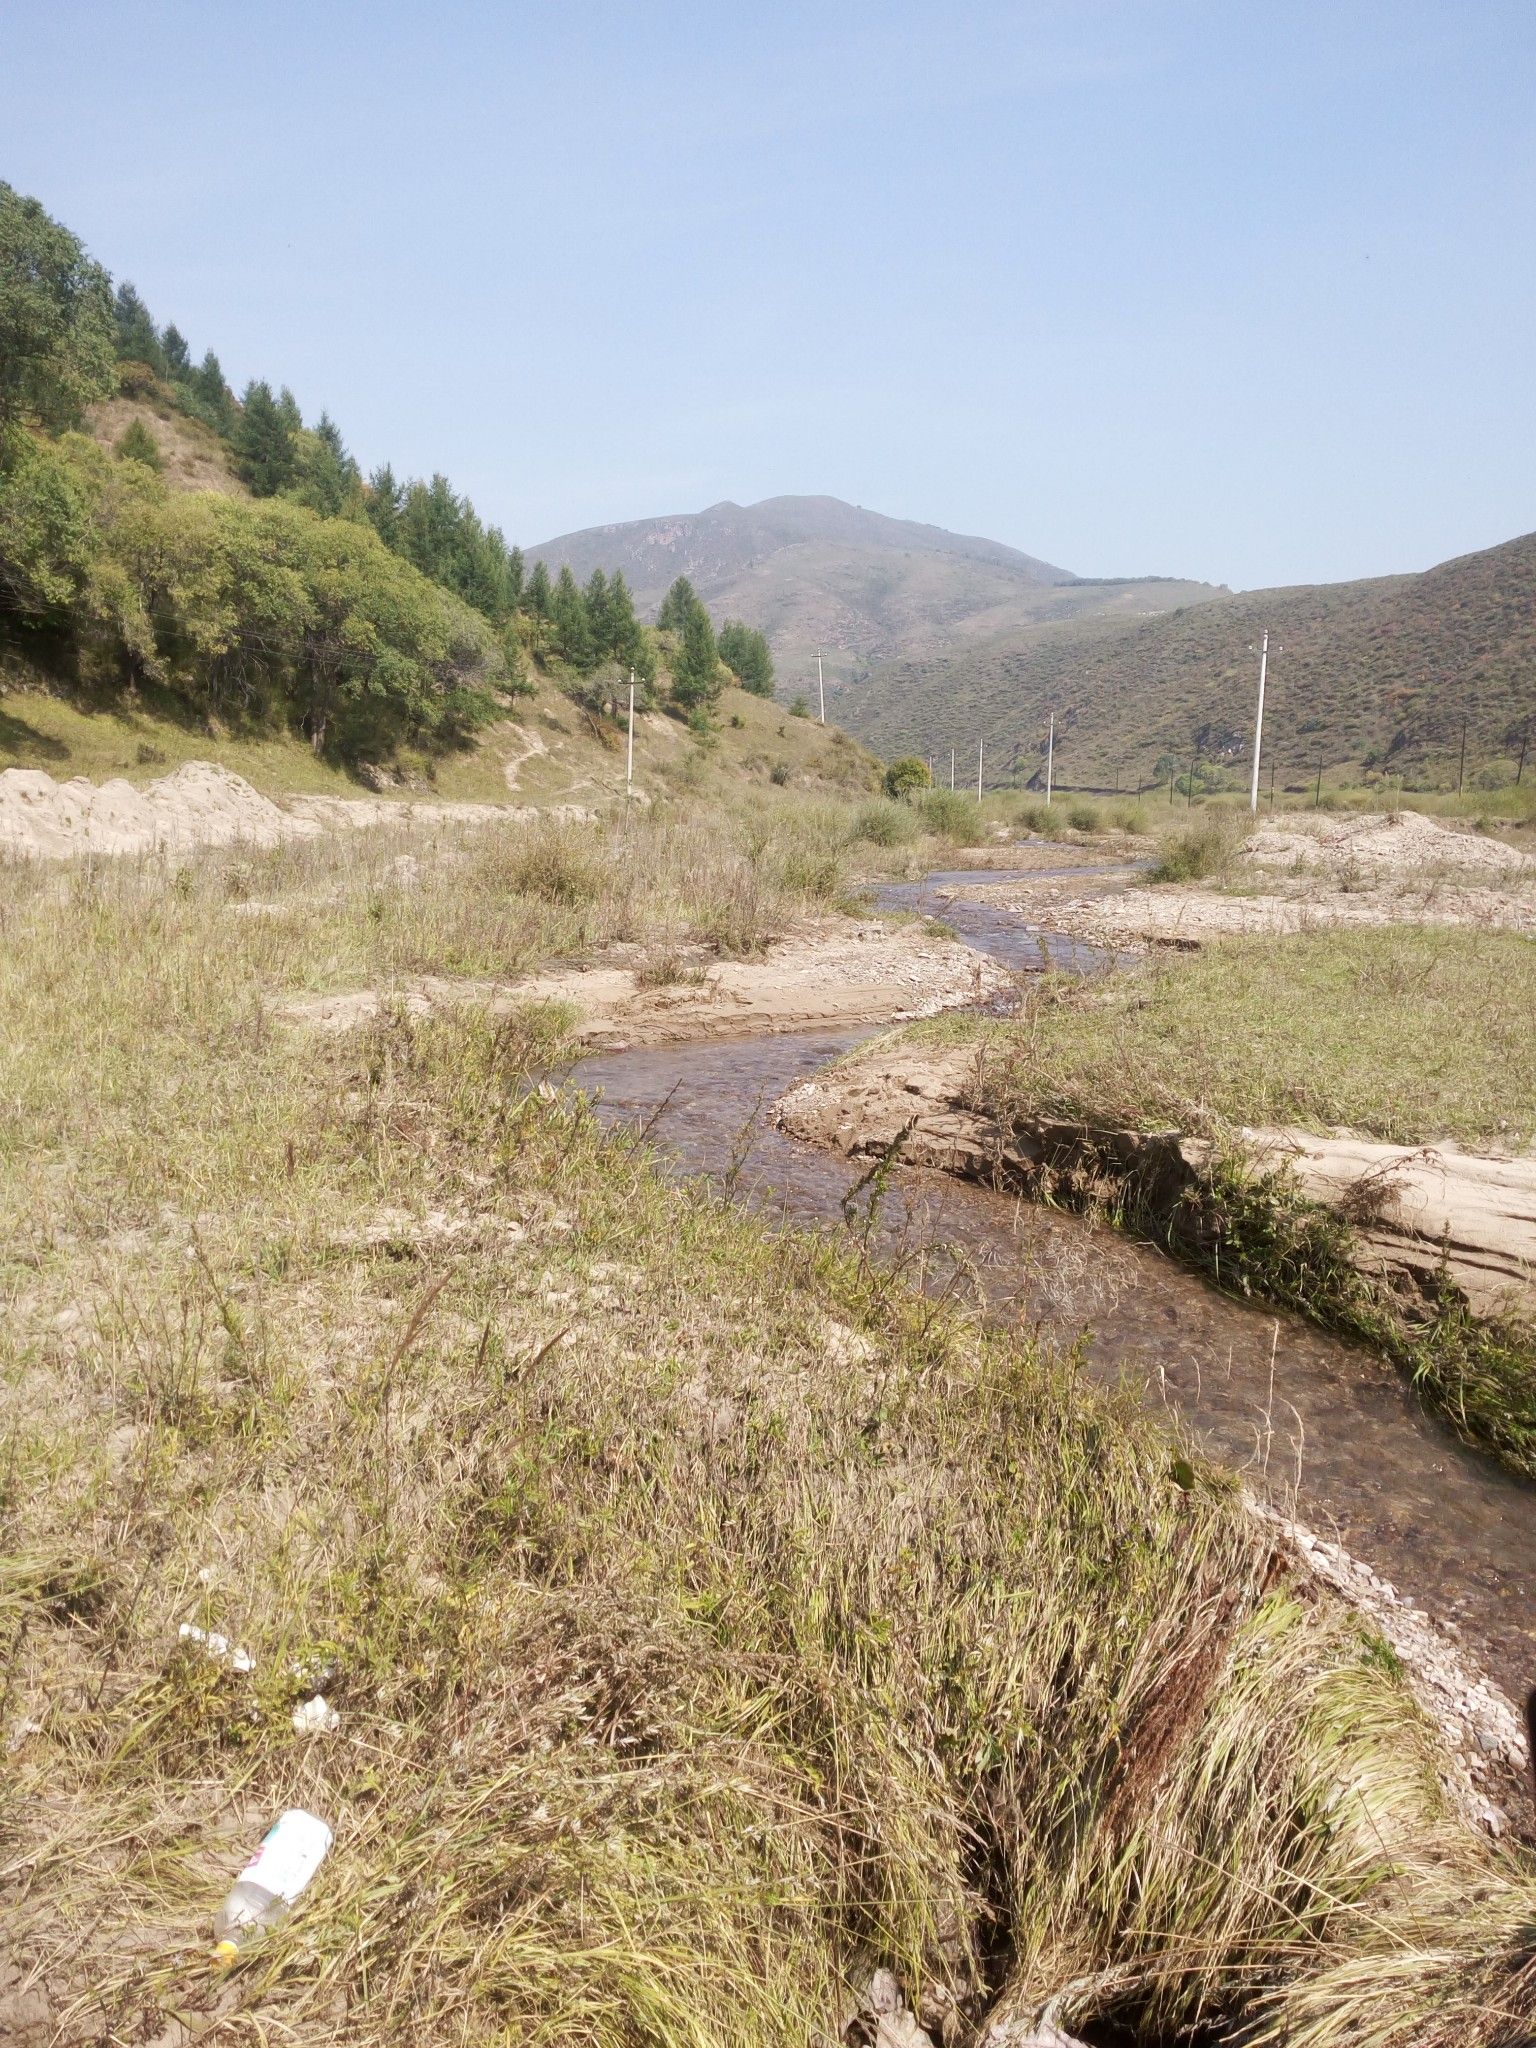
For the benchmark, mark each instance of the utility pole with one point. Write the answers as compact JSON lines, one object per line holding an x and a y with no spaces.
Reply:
{"x":1258,"y":730}
{"x":821,"y":688}
{"x":980,"y":749}
{"x":1317,"y":800}
{"x":1050,"y":758}
{"x":1525,"y":741}
{"x":629,"y":765}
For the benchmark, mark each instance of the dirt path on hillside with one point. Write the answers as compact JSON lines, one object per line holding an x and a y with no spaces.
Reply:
{"x":1412,"y":1207}
{"x":839,"y":971}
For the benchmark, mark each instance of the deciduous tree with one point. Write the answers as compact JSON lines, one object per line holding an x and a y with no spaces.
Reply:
{"x":56,"y":331}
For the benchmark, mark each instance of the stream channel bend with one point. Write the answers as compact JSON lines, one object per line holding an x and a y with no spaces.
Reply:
{"x":1322,"y":1427}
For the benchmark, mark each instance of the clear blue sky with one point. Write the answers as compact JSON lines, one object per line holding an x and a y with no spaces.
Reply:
{"x":1231,"y":290}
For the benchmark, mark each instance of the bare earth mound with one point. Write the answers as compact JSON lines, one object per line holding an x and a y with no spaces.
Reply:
{"x":1401,"y":845}
{"x":200,"y":804}
{"x":1298,"y":876}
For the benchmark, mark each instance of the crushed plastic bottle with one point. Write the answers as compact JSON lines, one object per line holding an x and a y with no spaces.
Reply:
{"x":291,"y":1851}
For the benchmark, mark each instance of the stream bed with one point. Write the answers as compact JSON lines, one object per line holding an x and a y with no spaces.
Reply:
{"x":1320,"y":1426}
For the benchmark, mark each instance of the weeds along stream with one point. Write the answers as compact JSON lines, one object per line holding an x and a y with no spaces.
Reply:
{"x":1319,"y":1426}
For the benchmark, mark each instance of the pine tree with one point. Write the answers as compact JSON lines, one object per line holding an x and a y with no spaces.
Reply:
{"x":485,"y":579}
{"x":430,"y":531}
{"x":327,"y":477}
{"x":385,"y":498}
{"x":266,"y":448}
{"x":515,"y":580}
{"x":696,"y":670}
{"x":678,"y":606}
{"x":213,"y":394}
{"x":746,"y":653}
{"x":537,"y":598}
{"x":178,"y":359}
{"x":572,"y":633}
{"x":595,"y":597}
{"x":623,"y":628}
{"x":137,"y":338}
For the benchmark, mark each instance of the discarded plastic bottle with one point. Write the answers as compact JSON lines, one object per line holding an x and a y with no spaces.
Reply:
{"x":291,"y":1851}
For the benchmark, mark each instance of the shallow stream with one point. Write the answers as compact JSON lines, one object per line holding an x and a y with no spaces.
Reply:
{"x":1315,"y":1423}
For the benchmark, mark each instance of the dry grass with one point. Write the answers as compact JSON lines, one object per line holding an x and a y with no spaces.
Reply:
{"x":710,"y":1618}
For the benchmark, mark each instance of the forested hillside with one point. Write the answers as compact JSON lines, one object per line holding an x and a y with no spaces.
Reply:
{"x":1376,"y":677}
{"x":816,"y":574}
{"x":159,"y":534}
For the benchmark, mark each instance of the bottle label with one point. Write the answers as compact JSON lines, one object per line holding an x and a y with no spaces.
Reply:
{"x":291,"y":1851}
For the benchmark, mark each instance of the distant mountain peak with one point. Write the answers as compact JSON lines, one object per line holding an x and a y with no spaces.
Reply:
{"x":815,"y":572}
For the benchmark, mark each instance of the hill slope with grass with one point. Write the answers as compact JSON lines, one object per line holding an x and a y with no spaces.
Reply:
{"x":1370,"y":676}
{"x":817,"y":573}
{"x":187,"y":575}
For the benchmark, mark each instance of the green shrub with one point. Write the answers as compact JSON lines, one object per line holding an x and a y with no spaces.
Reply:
{"x":1128,"y":818}
{"x":884,"y":823}
{"x":137,"y":444}
{"x":556,"y":863}
{"x":906,"y":775}
{"x":1082,"y":817}
{"x":948,"y":815}
{"x":1204,"y":849}
{"x":1036,"y":815}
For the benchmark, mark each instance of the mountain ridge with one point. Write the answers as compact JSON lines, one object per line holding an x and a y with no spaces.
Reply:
{"x":818,"y":574}
{"x":1379,"y":674}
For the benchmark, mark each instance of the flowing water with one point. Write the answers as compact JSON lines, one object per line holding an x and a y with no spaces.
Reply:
{"x":1315,"y":1422}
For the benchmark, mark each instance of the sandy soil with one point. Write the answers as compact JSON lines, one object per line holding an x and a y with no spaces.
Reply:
{"x":201,"y":804}
{"x":1301,"y":876}
{"x":1412,"y":1206}
{"x":837,"y":972}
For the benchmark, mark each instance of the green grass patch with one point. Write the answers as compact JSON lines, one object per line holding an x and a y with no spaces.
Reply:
{"x":1406,"y":1034}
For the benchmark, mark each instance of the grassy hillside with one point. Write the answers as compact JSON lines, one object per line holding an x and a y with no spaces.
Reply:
{"x":549,"y":751}
{"x":816,"y":573}
{"x":1376,"y":675}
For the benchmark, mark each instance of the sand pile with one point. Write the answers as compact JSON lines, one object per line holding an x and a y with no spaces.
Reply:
{"x":198,"y":805}
{"x":1401,"y":845}
{"x":204,"y":805}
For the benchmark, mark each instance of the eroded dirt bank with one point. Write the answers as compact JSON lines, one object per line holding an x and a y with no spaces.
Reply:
{"x":837,"y":971}
{"x":1414,"y":1208}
